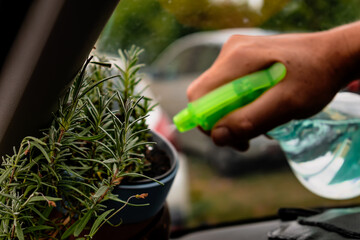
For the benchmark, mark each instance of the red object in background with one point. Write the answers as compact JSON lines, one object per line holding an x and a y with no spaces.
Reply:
{"x":165,"y":129}
{"x":354,"y":86}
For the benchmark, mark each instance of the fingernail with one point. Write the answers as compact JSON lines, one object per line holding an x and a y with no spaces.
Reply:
{"x":221,"y":135}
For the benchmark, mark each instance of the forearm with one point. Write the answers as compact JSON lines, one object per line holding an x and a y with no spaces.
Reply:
{"x":344,"y":50}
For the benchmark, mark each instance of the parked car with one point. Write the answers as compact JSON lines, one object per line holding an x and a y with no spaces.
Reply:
{"x":170,"y":75}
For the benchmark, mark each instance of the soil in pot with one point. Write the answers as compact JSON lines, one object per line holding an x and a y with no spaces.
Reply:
{"x":159,"y":164}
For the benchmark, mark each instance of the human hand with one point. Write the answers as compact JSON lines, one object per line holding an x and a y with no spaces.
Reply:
{"x":315,"y":72}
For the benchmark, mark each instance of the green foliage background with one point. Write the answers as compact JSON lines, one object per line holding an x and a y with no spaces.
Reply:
{"x":154,"y":24}
{"x":143,"y":23}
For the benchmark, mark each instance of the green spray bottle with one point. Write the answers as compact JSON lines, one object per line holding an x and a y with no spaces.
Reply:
{"x":209,"y":109}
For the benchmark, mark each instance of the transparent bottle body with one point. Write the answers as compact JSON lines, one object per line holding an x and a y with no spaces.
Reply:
{"x":324,"y":152}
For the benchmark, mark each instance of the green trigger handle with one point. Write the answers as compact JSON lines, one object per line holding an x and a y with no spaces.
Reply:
{"x":209,"y":109}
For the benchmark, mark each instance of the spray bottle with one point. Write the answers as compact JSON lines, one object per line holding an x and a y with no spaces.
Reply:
{"x":323,"y":150}
{"x":209,"y":109}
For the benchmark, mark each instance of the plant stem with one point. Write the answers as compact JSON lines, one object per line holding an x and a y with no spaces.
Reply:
{"x":122,"y":207}
{"x":64,"y":223}
{"x":113,"y":179}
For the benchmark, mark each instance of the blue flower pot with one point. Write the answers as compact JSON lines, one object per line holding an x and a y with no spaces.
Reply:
{"x":156,"y":193}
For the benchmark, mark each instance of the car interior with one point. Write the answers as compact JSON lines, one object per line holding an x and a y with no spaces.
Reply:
{"x":45,"y":43}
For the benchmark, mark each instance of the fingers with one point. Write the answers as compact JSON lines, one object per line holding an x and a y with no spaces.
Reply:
{"x":223,"y":136}
{"x":235,"y":60}
{"x":222,"y":72}
{"x":271,"y":109}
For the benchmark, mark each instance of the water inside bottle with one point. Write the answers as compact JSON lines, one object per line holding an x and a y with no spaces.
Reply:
{"x":324,"y":152}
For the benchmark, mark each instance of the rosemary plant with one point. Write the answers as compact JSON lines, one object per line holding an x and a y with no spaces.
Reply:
{"x":53,"y":187}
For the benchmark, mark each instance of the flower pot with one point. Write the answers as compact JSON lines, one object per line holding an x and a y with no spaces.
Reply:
{"x":155,"y":228}
{"x":156,"y":193}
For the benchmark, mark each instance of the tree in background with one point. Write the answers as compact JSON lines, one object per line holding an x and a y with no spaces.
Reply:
{"x":314,"y":15}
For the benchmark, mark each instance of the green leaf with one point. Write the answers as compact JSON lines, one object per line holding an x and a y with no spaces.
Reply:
{"x":46,"y":213}
{"x":92,"y":160}
{"x":108,"y":135}
{"x":38,"y":213}
{"x":71,"y":182}
{"x":28,"y":189}
{"x":19,"y":232}
{"x":36,"y":140}
{"x":46,"y":198}
{"x":128,"y":148}
{"x":110,"y":160}
{"x":5,"y":175}
{"x":98,"y":221}
{"x":95,"y":84}
{"x":141,"y":175}
{"x":137,"y":133}
{"x":82,"y":224}
{"x":74,"y":189}
{"x":91,"y":138}
{"x":107,"y":148}
{"x":7,"y":195}
{"x":100,"y":191}
{"x":116,"y":199}
{"x":70,"y":230}
{"x":4,"y":227}
{"x":49,"y":168}
{"x":37,"y":178}
{"x":69,"y":170}
{"x":37,"y":228}
{"x":45,"y":154}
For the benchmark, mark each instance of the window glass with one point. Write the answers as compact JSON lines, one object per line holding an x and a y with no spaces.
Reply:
{"x":223,"y":185}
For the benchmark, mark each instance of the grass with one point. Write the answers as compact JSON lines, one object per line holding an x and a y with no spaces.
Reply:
{"x":216,"y":199}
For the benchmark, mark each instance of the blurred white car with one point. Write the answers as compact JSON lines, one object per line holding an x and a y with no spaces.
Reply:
{"x":170,"y":75}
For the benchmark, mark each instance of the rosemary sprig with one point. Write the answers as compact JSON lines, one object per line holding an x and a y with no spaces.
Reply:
{"x":53,"y":187}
